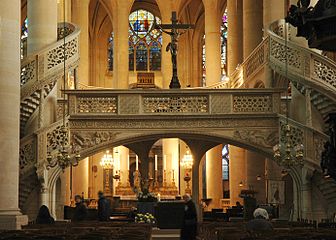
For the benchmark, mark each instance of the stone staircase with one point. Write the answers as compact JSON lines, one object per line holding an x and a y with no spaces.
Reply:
{"x":327,"y":187}
{"x":27,"y":184}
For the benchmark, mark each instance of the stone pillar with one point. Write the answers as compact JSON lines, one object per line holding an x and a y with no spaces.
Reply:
{"x":166,"y":63}
{"x":121,"y":46}
{"x":255,"y":165}
{"x":80,"y":178}
{"x":214,"y":176}
{"x":42,"y":17}
{"x":252,"y":25}
{"x":306,"y":193}
{"x":10,"y":216}
{"x":80,"y":16}
{"x":309,"y":119}
{"x":212,"y":42}
{"x":235,"y":34}
{"x":170,"y":149}
{"x":237,"y":173}
{"x":124,"y":152}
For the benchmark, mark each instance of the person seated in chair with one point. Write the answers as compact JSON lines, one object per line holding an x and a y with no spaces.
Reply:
{"x":260,"y":222}
{"x":80,"y":213}
{"x":44,"y":216}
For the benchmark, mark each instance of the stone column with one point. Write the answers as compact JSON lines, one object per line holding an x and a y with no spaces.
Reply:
{"x":10,"y":216}
{"x":124,"y":152}
{"x":170,"y":149}
{"x":166,"y":63}
{"x":121,"y":46}
{"x":252,"y":25}
{"x":235,"y":34}
{"x":80,"y":16}
{"x":80,"y":178}
{"x":237,"y":173}
{"x":42,"y":15}
{"x":212,"y":42}
{"x":309,"y":119}
{"x":214,"y":176}
{"x":255,"y":165}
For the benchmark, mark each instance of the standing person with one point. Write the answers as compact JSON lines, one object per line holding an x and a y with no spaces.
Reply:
{"x":80,"y":213}
{"x":44,"y":216}
{"x":103,"y":207}
{"x":189,"y":228}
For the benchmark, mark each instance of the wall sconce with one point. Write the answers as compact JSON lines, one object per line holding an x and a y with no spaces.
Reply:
{"x":241,"y":184}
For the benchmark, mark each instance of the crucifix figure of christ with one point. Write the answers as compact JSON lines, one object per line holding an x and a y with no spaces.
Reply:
{"x":172,"y":46}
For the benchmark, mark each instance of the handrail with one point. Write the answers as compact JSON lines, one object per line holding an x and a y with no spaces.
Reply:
{"x":304,"y":65}
{"x":46,"y":65}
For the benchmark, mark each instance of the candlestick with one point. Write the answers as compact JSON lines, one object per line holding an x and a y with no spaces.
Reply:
{"x":136,"y":163}
{"x":128,"y":167}
{"x":155,"y":163}
{"x":164,"y":162}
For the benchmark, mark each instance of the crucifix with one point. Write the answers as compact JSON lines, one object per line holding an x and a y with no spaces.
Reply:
{"x":172,"y":46}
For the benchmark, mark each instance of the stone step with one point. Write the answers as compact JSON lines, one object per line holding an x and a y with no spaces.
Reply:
{"x":165,"y":234}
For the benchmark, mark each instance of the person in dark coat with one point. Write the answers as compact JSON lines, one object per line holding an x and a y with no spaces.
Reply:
{"x":44,"y":216}
{"x":80,"y":213}
{"x":103,"y":207}
{"x":260,"y":223}
{"x":189,"y":227}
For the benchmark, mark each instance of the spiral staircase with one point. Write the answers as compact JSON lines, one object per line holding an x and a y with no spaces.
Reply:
{"x":40,"y":72}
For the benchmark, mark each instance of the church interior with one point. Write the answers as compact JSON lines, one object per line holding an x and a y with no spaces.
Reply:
{"x":155,"y":99}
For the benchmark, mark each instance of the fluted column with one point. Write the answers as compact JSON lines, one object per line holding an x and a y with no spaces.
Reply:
{"x":252,"y":25}
{"x":235,"y":34}
{"x":237,"y":172}
{"x":214,"y":176}
{"x":80,"y":16}
{"x":212,"y":42}
{"x":166,"y":63}
{"x":42,"y":17}
{"x":10,"y":216}
{"x":121,"y":46}
{"x":255,"y":165}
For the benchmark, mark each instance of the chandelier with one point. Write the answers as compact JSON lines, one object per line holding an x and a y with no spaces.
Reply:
{"x":187,"y":160}
{"x":285,"y":153}
{"x":63,"y":158}
{"x":107,"y":161}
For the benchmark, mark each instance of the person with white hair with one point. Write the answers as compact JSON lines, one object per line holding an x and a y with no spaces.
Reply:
{"x":260,"y":221}
{"x":189,"y":227}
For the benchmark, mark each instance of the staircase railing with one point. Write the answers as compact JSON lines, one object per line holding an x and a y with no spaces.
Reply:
{"x":46,"y":65}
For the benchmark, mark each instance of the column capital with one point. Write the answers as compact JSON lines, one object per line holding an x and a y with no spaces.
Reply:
{"x":210,"y":4}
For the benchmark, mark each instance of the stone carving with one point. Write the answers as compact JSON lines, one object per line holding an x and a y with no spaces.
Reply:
{"x":297,"y":134}
{"x":291,"y":56}
{"x":28,"y":72}
{"x":220,"y":104}
{"x":61,"y":32}
{"x":319,"y":147}
{"x":56,"y":56}
{"x":252,"y":103}
{"x":255,"y":60}
{"x":56,"y":137}
{"x":178,"y":104}
{"x":27,"y":153}
{"x":129,"y":104}
{"x":97,"y":105}
{"x":88,"y":139}
{"x":264,"y":138}
{"x":324,"y":72}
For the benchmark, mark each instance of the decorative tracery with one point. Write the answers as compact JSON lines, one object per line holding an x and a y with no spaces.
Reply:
{"x":145,"y":42}
{"x":24,"y":36}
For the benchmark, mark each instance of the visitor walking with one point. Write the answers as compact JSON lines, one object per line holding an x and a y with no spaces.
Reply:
{"x":189,"y":227}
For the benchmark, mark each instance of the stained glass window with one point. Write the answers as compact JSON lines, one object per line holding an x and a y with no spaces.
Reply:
{"x":24,"y":36}
{"x":110,"y":53}
{"x":223,"y":32}
{"x":225,"y":162}
{"x":145,"y":42}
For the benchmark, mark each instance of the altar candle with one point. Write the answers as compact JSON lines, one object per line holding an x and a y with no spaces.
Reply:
{"x":164,"y":162}
{"x":118,"y":164}
{"x":136,"y":162}
{"x":156,"y":167}
{"x":128,"y":162}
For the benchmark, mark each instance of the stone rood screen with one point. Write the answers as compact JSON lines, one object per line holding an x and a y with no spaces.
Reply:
{"x":172,"y":46}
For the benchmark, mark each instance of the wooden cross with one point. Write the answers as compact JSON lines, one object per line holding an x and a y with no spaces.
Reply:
{"x":172,"y":46}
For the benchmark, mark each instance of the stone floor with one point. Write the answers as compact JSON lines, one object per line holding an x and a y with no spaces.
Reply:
{"x":165,"y":234}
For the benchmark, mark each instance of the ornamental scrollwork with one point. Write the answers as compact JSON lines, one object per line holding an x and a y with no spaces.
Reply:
{"x":286,"y":55}
{"x":97,"y":105}
{"x":56,"y":137}
{"x":296,"y":136}
{"x":27,"y":153}
{"x":28,"y":72}
{"x":84,"y":140}
{"x":324,"y":72}
{"x":56,"y":55}
{"x":251,"y":103}
{"x":263,"y":138}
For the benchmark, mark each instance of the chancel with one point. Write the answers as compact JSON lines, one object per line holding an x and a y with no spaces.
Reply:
{"x":92,"y":103}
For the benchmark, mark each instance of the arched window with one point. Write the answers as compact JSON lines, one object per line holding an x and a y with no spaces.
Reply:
{"x":110,"y":52}
{"x":225,"y":163}
{"x":223,"y":32}
{"x":24,"y":36}
{"x":145,"y":42}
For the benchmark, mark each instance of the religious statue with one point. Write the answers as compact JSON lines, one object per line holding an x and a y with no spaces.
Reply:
{"x":172,"y":46}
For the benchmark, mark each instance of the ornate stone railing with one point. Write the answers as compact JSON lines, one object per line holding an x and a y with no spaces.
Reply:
{"x":27,"y":154}
{"x":303,"y":65}
{"x":46,"y":65}
{"x":167,"y":102}
{"x":312,"y":139}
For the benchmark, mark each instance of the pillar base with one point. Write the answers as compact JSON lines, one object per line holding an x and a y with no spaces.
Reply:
{"x":13,"y":222}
